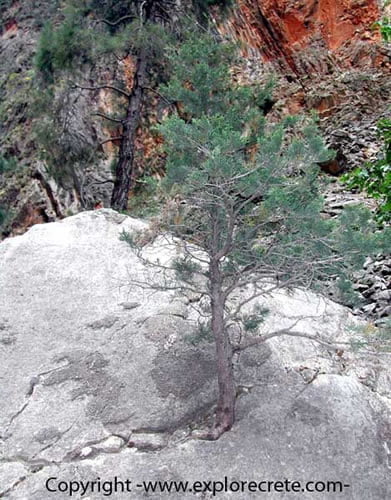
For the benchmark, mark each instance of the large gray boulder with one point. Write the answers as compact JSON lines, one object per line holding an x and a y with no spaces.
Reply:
{"x":98,"y":379}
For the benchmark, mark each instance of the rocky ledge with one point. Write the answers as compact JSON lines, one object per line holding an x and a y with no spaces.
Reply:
{"x":99,"y":379}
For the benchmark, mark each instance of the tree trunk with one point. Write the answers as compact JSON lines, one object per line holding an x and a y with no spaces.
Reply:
{"x":225,"y":413}
{"x":124,"y":172}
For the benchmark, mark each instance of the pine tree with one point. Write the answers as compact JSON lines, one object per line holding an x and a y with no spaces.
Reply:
{"x":250,"y":201}
{"x":91,"y":31}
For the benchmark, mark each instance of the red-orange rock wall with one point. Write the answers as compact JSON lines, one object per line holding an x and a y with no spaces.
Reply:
{"x":280,"y":29}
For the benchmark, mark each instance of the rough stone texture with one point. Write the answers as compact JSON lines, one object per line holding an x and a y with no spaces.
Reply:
{"x":325,"y":58}
{"x":81,"y":175}
{"x":32,"y":193}
{"x":373,"y":282}
{"x":349,"y":104}
{"x":374,"y":285}
{"x":97,"y":379}
{"x":306,"y":35}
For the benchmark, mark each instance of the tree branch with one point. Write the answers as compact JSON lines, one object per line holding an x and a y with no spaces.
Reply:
{"x":290,"y":333}
{"x":118,"y":21}
{"x":106,"y":117}
{"x":108,"y":181}
{"x":111,"y":139}
{"x":99,"y":87}
{"x":170,"y":103}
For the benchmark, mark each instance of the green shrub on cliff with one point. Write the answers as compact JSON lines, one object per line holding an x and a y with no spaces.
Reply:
{"x":375,"y":178}
{"x":59,"y":47}
{"x":384,"y":26}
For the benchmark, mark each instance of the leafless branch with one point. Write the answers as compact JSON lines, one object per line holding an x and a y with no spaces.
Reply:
{"x":107,"y":181}
{"x":100,"y":87}
{"x":106,"y":117}
{"x":118,"y":21}
{"x":170,"y":103}
{"x":111,"y":140}
{"x":291,"y":333}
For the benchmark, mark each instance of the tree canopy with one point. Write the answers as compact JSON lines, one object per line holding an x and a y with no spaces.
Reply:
{"x":248,"y":196}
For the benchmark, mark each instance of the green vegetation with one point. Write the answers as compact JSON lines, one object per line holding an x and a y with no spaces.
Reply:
{"x":384,"y":25}
{"x":203,"y":6}
{"x":244,"y":196}
{"x":3,"y":217}
{"x":375,"y":178}
{"x":83,"y":37}
{"x":146,"y":199}
{"x":92,"y":33}
{"x":59,"y":47}
{"x":15,"y":101}
{"x":7,"y":164}
{"x":206,"y":67}
{"x":247,"y":206}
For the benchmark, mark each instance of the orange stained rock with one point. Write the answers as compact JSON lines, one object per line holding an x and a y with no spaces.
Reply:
{"x":280,"y":29}
{"x":10,"y":29}
{"x":129,"y":70}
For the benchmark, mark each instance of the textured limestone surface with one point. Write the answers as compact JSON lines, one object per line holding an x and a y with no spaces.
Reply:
{"x":289,"y":31}
{"x":98,"y":379}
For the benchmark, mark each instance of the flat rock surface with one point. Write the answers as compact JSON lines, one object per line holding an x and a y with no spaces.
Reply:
{"x":98,"y":379}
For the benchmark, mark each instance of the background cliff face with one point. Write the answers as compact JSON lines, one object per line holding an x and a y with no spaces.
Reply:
{"x":323,"y":53}
{"x":304,"y":36}
{"x":326,"y":58}
{"x":31,"y":191}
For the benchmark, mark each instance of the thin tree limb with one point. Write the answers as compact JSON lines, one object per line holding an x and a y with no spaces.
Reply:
{"x":99,"y":87}
{"x":111,"y":140}
{"x":289,"y":333}
{"x":118,"y":21}
{"x":170,"y":103}
{"x":106,"y":117}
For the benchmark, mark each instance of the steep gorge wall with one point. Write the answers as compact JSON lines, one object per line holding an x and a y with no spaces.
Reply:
{"x":326,"y":58}
{"x":284,"y":31}
{"x":35,"y":192}
{"x":324,"y":53}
